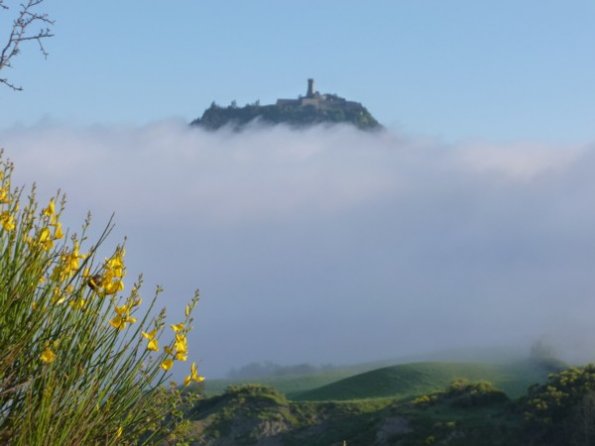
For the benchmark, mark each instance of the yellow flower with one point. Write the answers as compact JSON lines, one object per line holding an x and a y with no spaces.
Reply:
{"x":5,"y":194}
{"x":122,"y":317}
{"x":115,"y":265}
{"x":153,"y":345}
{"x":50,"y":210}
{"x":181,"y":343}
{"x":167,"y":364}
{"x":44,"y":239}
{"x":72,"y":258}
{"x":47,"y":356}
{"x":180,"y":350}
{"x":130,"y":319}
{"x":68,"y":265}
{"x":151,"y":336}
{"x":7,"y":221}
{"x":122,"y":310}
{"x":194,"y":376}
{"x":110,"y":282}
{"x":177,"y":327}
{"x":58,"y":234}
{"x":118,"y":322}
{"x":113,"y":287}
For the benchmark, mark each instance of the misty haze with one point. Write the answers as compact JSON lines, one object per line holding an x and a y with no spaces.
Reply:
{"x":333,"y":245}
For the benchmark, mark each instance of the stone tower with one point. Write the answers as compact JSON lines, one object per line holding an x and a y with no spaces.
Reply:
{"x":310,"y":93}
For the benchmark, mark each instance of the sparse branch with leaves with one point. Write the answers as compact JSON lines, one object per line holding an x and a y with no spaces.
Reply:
{"x":28,"y":25}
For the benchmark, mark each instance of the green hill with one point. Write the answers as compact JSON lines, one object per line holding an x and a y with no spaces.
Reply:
{"x":407,"y":405}
{"x":293,"y":384}
{"x":289,"y":385}
{"x":407,"y":380}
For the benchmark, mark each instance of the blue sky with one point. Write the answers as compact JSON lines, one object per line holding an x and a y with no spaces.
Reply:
{"x":455,"y":70}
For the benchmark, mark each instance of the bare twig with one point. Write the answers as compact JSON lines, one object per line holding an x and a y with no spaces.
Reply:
{"x":21,"y":31}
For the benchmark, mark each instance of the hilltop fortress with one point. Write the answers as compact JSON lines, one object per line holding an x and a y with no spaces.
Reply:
{"x":317,"y":100}
{"x":312,"y":109}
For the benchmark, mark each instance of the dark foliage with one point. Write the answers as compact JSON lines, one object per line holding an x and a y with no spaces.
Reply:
{"x":562,"y":411}
{"x":237,"y":118}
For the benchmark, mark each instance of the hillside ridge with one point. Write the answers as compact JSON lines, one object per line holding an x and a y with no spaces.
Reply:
{"x":312,"y":109}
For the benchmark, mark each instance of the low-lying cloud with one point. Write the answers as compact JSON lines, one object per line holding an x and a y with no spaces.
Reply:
{"x":332,"y":245}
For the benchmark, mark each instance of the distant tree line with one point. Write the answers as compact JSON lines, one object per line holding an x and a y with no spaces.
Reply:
{"x":236,"y":118}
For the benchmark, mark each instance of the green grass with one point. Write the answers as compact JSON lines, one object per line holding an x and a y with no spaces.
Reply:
{"x":295,"y":384}
{"x":406,"y":380}
{"x":287,"y":385}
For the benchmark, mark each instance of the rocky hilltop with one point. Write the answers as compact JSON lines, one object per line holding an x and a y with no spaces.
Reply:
{"x":311,"y":109}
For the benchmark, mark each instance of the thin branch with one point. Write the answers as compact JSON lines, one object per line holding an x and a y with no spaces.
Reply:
{"x":26,"y":18}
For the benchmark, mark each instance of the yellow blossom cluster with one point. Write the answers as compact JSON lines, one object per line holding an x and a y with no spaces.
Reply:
{"x":181,"y":347}
{"x":45,"y":239}
{"x":46,"y":235}
{"x":68,"y":264}
{"x":111,"y":280}
{"x":5,"y":193}
{"x":181,"y":342}
{"x":48,"y":355}
{"x":153,"y":343}
{"x":124,"y":314}
{"x":7,"y":220}
{"x":194,"y":376}
{"x":179,"y":350}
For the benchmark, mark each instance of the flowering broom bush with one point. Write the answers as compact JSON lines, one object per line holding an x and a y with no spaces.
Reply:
{"x":80,"y":360}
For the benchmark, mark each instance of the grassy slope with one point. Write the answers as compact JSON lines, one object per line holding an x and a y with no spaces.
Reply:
{"x":288,"y":385}
{"x":424,"y":377}
{"x":291,"y":385}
